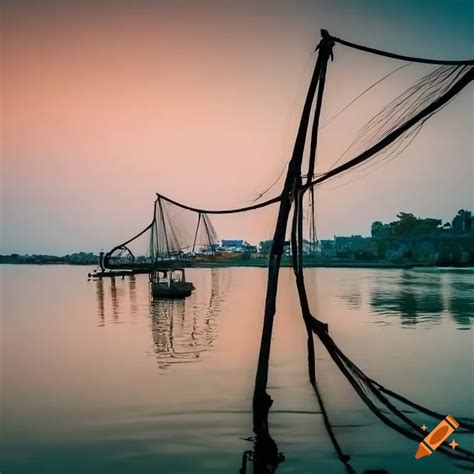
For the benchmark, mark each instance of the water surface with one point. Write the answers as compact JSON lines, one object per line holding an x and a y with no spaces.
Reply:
{"x":98,"y":378}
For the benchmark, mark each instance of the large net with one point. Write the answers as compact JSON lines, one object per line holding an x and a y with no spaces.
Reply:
{"x":173,"y":234}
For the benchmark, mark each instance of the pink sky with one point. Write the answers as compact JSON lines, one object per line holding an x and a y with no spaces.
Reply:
{"x":102,"y":106}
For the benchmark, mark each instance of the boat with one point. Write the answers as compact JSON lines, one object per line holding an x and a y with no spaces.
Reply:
{"x":170,"y":283}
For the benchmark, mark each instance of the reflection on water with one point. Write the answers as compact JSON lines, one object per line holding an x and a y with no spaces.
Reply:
{"x":184,"y":328}
{"x":461,"y":299}
{"x":351,"y":295}
{"x":100,"y":301}
{"x":179,"y":338}
{"x":132,"y":286}
{"x":114,"y":298}
{"x":423,"y":295}
{"x":181,"y":328}
{"x":412,"y":296}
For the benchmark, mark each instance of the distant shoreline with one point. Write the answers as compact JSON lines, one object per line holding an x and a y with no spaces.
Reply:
{"x":287,"y":264}
{"x":284,"y":264}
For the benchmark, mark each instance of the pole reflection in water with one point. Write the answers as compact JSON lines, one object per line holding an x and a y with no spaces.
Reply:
{"x":133,"y":295}
{"x":264,"y":458}
{"x":123,"y":301}
{"x":113,"y":295}
{"x":214,"y":306}
{"x":100,"y":301}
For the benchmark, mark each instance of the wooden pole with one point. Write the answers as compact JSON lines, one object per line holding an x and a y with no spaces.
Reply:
{"x":164,"y":227}
{"x":206,"y":226}
{"x":261,"y":400}
{"x":297,"y":227}
{"x":197,"y":229}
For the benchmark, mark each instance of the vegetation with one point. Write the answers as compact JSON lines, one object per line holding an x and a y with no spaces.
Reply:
{"x":78,"y":258}
{"x":427,"y":241}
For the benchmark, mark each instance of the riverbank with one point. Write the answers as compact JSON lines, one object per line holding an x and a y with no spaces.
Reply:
{"x":254,"y":263}
{"x":261,"y":263}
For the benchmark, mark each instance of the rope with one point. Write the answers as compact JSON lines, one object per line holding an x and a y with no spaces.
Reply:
{"x":222,"y":211}
{"x":387,"y":54}
{"x":391,"y":137}
{"x":363,"y":385}
{"x":362,"y":157}
{"x":361,"y":94}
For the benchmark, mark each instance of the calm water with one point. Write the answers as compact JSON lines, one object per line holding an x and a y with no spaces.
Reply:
{"x":97,"y":378}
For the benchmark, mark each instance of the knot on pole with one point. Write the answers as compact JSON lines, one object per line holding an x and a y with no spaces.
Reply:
{"x":326,"y":44}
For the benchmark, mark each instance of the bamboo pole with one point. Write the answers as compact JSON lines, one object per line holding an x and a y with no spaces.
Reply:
{"x":164,"y":227}
{"x":197,"y":229}
{"x":261,"y":400}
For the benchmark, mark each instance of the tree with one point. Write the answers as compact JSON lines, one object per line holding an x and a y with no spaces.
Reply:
{"x":375,"y":228}
{"x":462,"y":222}
{"x":405,"y":224}
{"x":410,"y":225}
{"x":265,"y":246}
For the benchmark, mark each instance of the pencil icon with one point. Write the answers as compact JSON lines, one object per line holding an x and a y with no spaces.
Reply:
{"x":436,"y":437}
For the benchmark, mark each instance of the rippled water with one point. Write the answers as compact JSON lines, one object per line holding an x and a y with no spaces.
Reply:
{"x":97,"y":378}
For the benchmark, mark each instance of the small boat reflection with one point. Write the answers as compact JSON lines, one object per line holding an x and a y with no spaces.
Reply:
{"x":178,"y":337}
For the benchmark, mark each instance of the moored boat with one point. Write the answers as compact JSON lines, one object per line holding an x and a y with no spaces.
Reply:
{"x":170,"y":283}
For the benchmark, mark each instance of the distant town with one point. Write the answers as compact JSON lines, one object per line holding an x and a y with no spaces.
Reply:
{"x":409,"y":240}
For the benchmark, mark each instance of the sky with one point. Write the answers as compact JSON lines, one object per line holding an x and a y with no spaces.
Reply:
{"x":105,"y":103}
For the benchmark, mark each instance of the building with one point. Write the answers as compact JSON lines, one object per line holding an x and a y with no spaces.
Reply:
{"x":233,"y":245}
